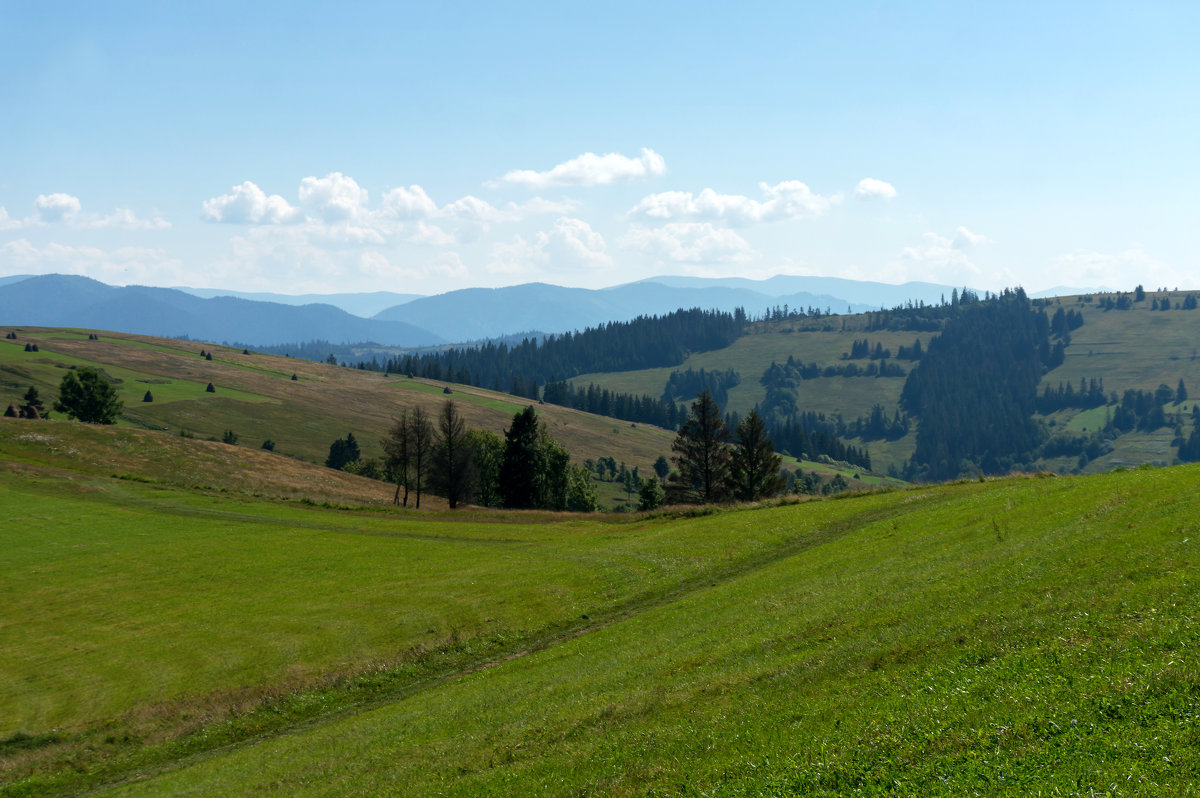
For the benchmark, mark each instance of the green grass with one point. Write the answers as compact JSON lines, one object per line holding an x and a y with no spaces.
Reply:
{"x":256,"y":398}
{"x":1011,"y":637}
{"x":1002,"y":636}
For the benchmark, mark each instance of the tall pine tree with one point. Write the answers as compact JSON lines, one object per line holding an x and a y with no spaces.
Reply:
{"x":702,"y":455}
{"x":755,"y":464}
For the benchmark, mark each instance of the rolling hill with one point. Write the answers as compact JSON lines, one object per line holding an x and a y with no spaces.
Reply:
{"x":1135,"y":349}
{"x":1020,"y":635}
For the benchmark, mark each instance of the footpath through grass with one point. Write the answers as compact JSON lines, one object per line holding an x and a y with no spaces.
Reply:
{"x":1006,"y":637}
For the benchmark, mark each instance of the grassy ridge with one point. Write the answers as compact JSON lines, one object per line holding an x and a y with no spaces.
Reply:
{"x":256,"y":397}
{"x":1138,"y":348}
{"x":1000,"y":638}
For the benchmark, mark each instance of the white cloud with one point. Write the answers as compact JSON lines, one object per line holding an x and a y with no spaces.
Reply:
{"x":571,"y":245}
{"x":122,"y":217}
{"x":790,"y":199}
{"x":409,"y":203}
{"x":431,"y":235}
{"x":689,"y":242}
{"x":333,"y":198}
{"x":870,"y":188}
{"x":591,"y":169}
{"x":965,"y":239}
{"x":475,"y":210}
{"x":122,"y":266}
{"x":249,"y":204}
{"x":943,"y":259}
{"x":52,"y":208}
{"x":6,"y":221}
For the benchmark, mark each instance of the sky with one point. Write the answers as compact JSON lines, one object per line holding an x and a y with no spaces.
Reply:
{"x":421,"y":148}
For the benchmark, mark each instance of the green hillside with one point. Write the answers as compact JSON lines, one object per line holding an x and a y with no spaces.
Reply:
{"x":256,"y":397}
{"x":1008,"y":636}
{"x":1139,"y":348}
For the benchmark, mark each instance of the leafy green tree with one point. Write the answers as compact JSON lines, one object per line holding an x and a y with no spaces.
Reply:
{"x":86,"y":395}
{"x":581,"y":491}
{"x":755,"y":464}
{"x":487,"y":451}
{"x":650,"y":494}
{"x":452,"y":472}
{"x":553,"y":474}
{"x":702,"y":455}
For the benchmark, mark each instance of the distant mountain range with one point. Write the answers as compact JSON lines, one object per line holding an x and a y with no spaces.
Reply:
{"x":365,"y":305}
{"x":64,"y":300}
{"x":410,"y":320}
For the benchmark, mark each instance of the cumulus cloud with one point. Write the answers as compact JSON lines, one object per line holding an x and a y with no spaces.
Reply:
{"x":689,"y":242}
{"x":431,"y":235}
{"x":941,"y":258}
{"x":870,"y":188}
{"x":570,"y":245}
{"x":51,"y":208}
{"x":409,"y":203}
{"x":591,"y":169}
{"x":249,"y":204}
{"x":6,"y":221}
{"x":790,"y":199}
{"x":333,"y":198}
{"x":965,"y":239}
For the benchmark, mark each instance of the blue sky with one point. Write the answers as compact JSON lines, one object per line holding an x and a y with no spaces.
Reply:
{"x":422,"y":148}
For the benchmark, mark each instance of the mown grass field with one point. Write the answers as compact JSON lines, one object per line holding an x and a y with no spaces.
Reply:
{"x":1004,"y":637}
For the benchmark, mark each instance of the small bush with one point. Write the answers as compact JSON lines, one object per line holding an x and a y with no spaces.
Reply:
{"x":229,"y":437}
{"x":269,"y":445}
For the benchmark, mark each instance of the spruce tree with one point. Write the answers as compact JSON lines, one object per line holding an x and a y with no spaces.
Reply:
{"x":519,"y":468}
{"x":702,"y":455}
{"x":452,"y":467}
{"x":755,"y":464}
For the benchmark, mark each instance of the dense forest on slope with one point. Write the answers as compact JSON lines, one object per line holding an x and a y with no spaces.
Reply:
{"x":975,"y":390}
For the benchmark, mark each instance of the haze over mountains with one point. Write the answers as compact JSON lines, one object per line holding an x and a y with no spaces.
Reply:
{"x":409,"y":320}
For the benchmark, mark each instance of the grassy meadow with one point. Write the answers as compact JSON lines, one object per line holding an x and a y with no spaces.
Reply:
{"x":210,"y":635}
{"x":1138,"y":348}
{"x":256,"y":397}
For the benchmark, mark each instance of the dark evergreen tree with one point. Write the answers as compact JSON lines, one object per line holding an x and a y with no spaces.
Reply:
{"x":662,"y":467}
{"x":148,"y":397}
{"x":1181,"y":393}
{"x":34,"y":402}
{"x":342,"y":451}
{"x":451,"y":475}
{"x":519,"y":469}
{"x":85,"y":394}
{"x":702,"y":455}
{"x":756,"y":466}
